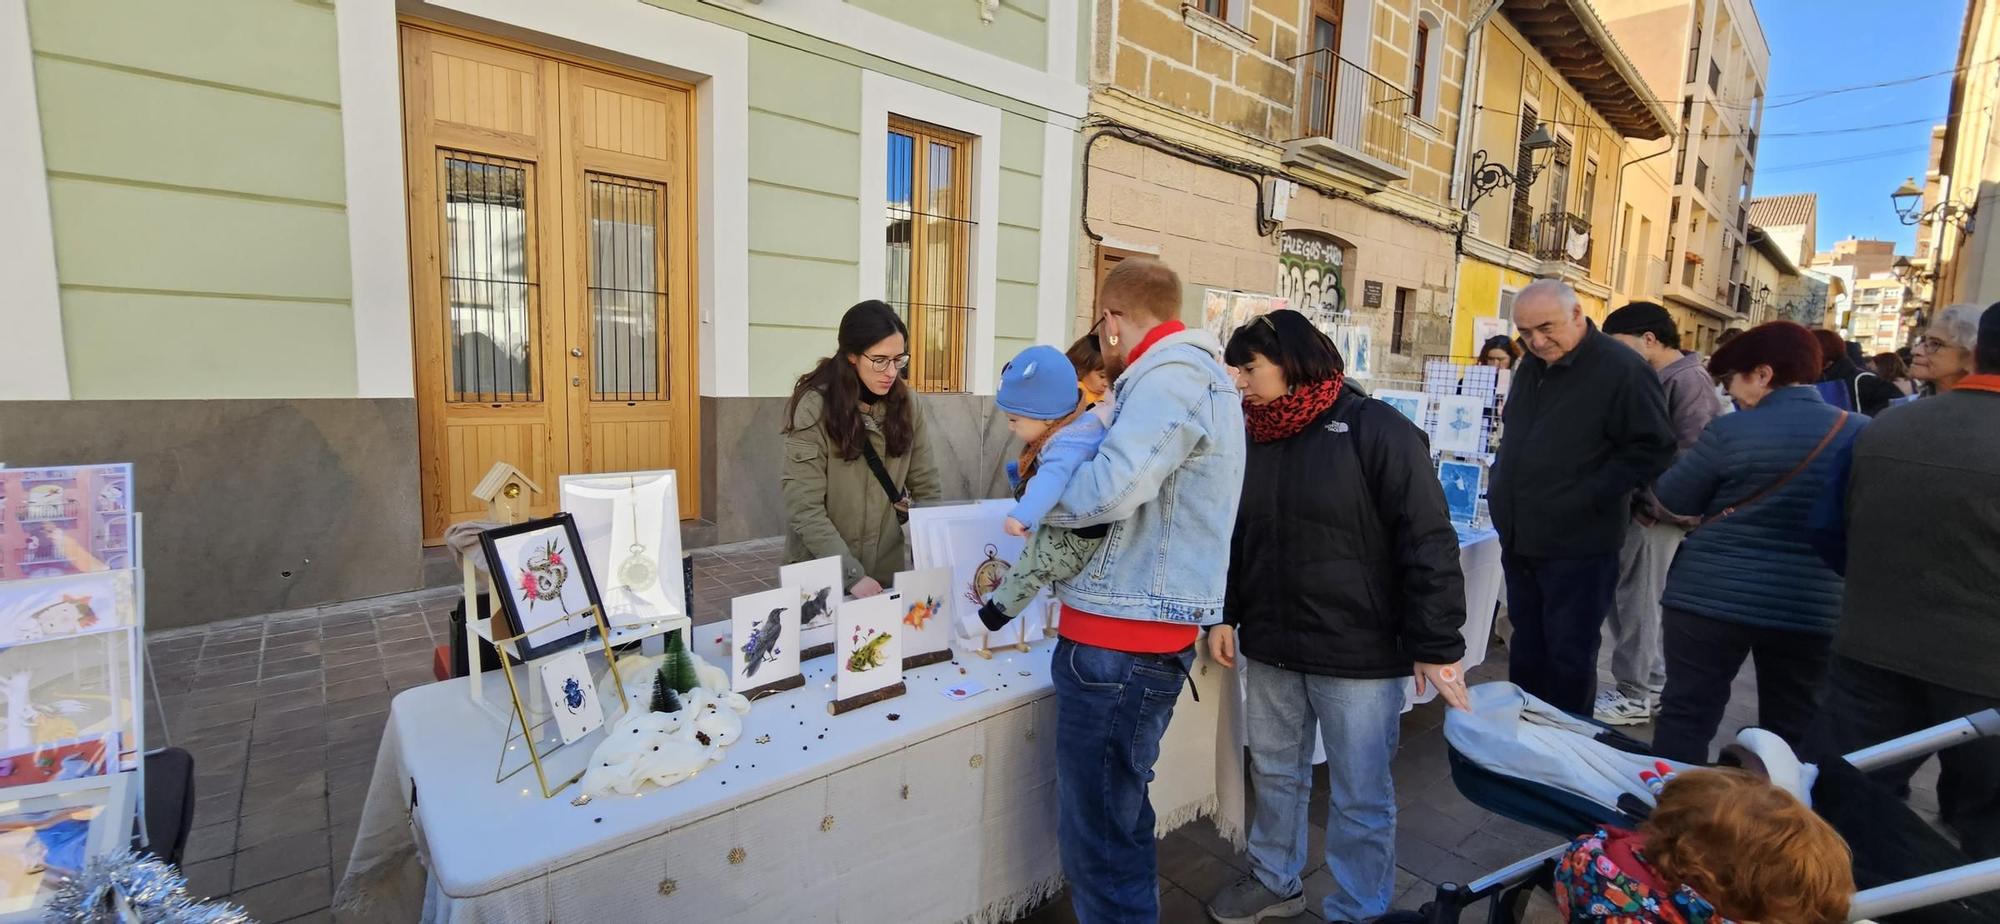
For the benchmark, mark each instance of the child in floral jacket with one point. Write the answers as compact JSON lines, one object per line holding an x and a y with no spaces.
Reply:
{"x":1723,"y":846}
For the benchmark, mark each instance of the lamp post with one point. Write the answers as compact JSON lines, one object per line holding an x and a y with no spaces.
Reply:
{"x":1909,"y":198}
{"x":1488,"y":175}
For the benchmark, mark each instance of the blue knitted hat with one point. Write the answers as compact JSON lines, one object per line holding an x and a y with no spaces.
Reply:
{"x":1039,"y":384}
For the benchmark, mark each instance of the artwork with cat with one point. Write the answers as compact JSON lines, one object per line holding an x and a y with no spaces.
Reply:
{"x":60,"y":690}
{"x":67,"y":520}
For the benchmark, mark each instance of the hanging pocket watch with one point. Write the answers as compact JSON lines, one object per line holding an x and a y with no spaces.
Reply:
{"x":637,"y":570}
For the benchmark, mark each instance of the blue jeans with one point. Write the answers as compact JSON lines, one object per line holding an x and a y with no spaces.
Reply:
{"x":1111,"y":710}
{"x":1360,"y":721}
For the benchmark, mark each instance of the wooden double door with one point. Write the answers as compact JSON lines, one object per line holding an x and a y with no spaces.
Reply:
{"x":552,"y":243}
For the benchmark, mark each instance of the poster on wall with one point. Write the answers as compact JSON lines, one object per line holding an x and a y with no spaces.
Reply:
{"x":1224,"y":311}
{"x":1311,"y":277}
{"x":1484,"y":329}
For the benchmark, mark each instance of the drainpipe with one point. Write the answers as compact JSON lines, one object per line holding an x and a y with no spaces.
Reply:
{"x":1618,"y":196}
{"x":1469,"y":87}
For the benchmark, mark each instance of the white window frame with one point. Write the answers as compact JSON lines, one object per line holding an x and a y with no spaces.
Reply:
{"x":1433,"y":68}
{"x":883,"y":96}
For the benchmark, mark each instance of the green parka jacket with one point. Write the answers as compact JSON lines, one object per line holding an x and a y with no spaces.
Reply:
{"x":835,"y":507}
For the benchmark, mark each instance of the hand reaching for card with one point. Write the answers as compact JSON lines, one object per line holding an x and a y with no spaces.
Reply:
{"x":1016,"y":528}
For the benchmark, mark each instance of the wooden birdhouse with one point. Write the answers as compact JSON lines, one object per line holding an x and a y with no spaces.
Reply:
{"x":508,"y":493}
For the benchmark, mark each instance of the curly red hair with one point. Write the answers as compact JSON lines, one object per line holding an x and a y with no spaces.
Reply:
{"x":1750,"y":848}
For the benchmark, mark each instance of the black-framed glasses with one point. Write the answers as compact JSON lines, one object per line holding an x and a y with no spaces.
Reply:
{"x":882,"y":363}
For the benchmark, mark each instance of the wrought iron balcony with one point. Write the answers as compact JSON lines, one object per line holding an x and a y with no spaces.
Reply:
{"x":1563,"y":236}
{"x":1345,"y":115}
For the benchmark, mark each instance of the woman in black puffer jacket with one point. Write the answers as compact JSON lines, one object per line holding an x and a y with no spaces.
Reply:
{"x":1343,"y":582}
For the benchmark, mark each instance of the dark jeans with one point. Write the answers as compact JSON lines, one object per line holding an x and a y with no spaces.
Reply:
{"x":1703,"y":656}
{"x":1111,"y":710}
{"x":1868,"y":705}
{"x":1557,"y":607}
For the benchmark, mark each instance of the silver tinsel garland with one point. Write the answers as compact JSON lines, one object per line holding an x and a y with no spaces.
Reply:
{"x":126,"y":888}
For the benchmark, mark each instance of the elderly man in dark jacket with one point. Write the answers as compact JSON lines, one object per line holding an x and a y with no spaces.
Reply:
{"x":1586,"y":426}
{"x":1919,"y":636}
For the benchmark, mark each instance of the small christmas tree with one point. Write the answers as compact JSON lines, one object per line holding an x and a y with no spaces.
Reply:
{"x":664,"y":697}
{"x":677,"y":669}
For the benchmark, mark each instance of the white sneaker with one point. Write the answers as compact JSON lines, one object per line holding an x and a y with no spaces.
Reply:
{"x":1614,"y":708}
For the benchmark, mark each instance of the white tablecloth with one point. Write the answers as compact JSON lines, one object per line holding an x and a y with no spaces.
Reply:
{"x":946,"y":813}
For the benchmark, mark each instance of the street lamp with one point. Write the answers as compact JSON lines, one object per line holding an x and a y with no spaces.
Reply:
{"x":1909,"y":198}
{"x":1488,"y":176}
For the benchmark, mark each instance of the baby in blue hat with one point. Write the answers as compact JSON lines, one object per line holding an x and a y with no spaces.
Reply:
{"x":1059,"y":430}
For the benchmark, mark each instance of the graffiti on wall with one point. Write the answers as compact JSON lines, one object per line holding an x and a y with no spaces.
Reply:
{"x":1311,"y":277}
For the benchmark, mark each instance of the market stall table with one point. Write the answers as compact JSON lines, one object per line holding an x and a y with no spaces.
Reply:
{"x":945,"y":812}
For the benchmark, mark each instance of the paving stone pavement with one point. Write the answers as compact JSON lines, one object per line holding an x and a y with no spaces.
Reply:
{"x":283,"y":714}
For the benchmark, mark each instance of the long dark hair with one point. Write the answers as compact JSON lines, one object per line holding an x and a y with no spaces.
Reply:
{"x":1289,"y":341}
{"x":839,"y":385}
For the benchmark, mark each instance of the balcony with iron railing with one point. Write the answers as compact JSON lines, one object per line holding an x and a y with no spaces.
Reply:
{"x":1563,"y":237}
{"x":1348,"y":117}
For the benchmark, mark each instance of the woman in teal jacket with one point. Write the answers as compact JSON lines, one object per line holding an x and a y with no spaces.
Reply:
{"x":1747,"y":582}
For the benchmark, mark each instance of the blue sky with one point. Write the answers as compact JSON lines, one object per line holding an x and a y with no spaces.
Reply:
{"x":1826,"y":44}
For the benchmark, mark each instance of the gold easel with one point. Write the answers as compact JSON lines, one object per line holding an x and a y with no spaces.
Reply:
{"x":530,"y":731}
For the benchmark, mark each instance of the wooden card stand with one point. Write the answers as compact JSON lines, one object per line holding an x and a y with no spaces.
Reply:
{"x":778,"y":686}
{"x":914,"y":661}
{"x":816,"y":651}
{"x":852,"y":703}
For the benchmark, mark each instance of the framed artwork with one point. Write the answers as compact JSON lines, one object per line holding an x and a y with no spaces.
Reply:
{"x":764,"y":641}
{"x":630,"y":525}
{"x":1361,"y":340}
{"x":868,"y":651}
{"x":1461,"y":481}
{"x":970,"y":540}
{"x":66,"y":605}
{"x":543,"y":580}
{"x":1412,"y":404}
{"x":47,"y":839}
{"x":818,"y":587}
{"x":62,"y":690}
{"x":1460,"y":426}
{"x":926,"y":628}
{"x":572,"y":695}
{"x":67,"y":520}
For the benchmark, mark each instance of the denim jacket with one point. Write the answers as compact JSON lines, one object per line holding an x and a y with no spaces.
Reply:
{"x":1167,"y":479}
{"x":1065,"y":450}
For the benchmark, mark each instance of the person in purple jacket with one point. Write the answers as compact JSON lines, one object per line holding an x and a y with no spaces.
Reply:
{"x":1653,"y":536}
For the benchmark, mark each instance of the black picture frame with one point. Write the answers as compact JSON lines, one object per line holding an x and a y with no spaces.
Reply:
{"x":505,"y":586}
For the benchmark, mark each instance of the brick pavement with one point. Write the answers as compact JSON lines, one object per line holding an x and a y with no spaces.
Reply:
{"x":283,"y":714}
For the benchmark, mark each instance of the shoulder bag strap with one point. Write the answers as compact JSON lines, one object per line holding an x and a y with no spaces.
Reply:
{"x":896,"y":495}
{"x":1839,"y":423}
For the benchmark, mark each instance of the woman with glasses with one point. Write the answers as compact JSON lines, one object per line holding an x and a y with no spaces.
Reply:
{"x":856,"y":453}
{"x":1943,"y":355}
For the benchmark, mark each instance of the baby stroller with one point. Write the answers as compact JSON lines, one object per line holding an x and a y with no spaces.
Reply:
{"x":1516,"y":756}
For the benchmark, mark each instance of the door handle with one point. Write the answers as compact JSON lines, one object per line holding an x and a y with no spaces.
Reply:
{"x":576,"y":352}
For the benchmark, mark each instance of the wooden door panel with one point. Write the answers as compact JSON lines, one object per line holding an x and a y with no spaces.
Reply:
{"x":631,"y":261}
{"x":552,"y":250}
{"x":485,"y":239}
{"x":471,"y":448}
